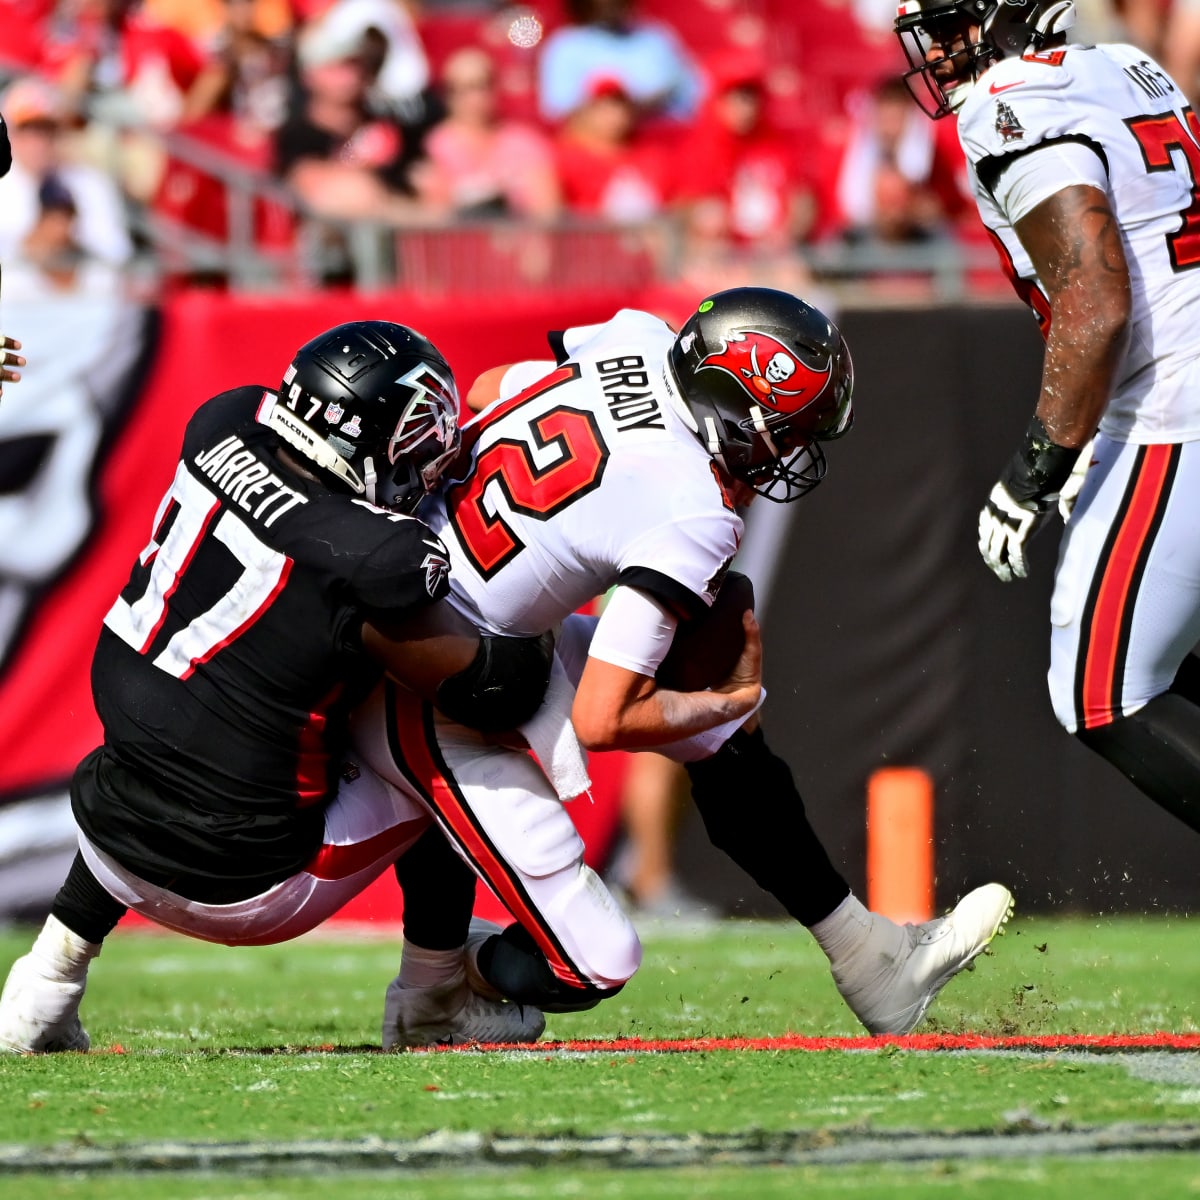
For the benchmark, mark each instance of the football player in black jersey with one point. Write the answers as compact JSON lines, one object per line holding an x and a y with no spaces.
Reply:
{"x":283,"y":574}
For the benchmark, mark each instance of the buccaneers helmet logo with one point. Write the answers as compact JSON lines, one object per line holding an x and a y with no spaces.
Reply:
{"x":768,"y":370}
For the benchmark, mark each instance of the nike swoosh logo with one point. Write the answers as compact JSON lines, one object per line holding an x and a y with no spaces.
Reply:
{"x":1004,"y":87}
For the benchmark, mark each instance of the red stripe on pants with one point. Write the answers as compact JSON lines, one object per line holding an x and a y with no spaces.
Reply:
{"x":1112,"y":609}
{"x":446,"y":801}
{"x":340,"y":862}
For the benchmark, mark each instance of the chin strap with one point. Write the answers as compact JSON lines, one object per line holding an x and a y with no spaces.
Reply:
{"x":301,"y":436}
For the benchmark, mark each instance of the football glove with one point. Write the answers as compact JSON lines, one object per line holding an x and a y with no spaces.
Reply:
{"x":1069,"y":492}
{"x":1025,"y":495}
{"x":1005,"y":525}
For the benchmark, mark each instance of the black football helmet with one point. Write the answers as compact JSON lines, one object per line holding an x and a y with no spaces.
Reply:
{"x":374,"y":405}
{"x":969,"y":36}
{"x":766,"y":378}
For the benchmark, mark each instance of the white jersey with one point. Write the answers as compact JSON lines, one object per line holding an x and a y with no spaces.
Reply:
{"x":585,"y":479}
{"x":1119,"y":104}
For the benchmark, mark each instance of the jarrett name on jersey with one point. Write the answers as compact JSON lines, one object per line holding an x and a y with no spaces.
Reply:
{"x":1108,"y":117}
{"x":226,"y":665}
{"x":625,"y":493}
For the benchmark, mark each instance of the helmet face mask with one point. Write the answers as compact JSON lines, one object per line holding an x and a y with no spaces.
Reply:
{"x":373,"y":405}
{"x":766,"y":378}
{"x":940,"y":82}
{"x":949,"y":44}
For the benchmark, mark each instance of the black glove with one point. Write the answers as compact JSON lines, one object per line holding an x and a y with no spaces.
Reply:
{"x":1025,"y":495}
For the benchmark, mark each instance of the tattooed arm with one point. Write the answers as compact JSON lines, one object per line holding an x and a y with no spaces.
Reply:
{"x":1075,"y":244}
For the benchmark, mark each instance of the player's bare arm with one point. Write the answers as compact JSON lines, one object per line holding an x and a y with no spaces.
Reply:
{"x":1075,"y":244}
{"x":422,"y":650}
{"x":619,"y":709}
{"x":486,"y":388}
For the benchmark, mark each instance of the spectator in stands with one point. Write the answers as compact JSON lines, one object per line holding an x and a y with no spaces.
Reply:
{"x":203,"y":20}
{"x":604,"y":38}
{"x":245,"y":77}
{"x":51,"y":259}
{"x":1181,"y":47}
{"x":477,"y":163}
{"x":1144,"y":21}
{"x":898,"y":175}
{"x":606,"y":166}
{"x":396,"y":61}
{"x":745,"y":201}
{"x":35,"y":115}
{"x":340,"y":159}
{"x":133,"y":70}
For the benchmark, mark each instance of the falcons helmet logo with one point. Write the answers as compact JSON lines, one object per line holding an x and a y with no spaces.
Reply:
{"x":771,"y":374}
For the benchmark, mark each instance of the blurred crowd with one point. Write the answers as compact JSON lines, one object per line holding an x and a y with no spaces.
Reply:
{"x":759,"y":127}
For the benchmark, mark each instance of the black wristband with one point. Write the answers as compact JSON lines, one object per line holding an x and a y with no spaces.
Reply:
{"x":1040,"y":468}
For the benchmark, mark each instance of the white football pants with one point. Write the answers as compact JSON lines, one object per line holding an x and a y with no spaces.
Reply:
{"x":501,"y":814}
{"x":368,"y":826}
{"x":1126,"y":605}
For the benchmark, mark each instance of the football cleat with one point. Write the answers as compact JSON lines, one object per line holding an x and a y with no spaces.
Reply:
{"x":451,"y":1014}
{"x":893,"y":976}
{"x":39,"y":1014}
{"x":479,"y":932}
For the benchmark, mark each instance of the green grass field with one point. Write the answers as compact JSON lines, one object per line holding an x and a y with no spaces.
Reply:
{"x":236,"y":1063}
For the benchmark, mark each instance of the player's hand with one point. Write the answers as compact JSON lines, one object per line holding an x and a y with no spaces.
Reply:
{"x":1005,"y":525}
{"x":9,"y":360}
{"x":745,"y":680}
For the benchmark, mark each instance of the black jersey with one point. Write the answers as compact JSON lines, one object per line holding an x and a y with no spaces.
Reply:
{"x":227,"y":665}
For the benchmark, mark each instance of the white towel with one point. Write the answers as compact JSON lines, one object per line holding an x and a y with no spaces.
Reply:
{"x":551,"y":736}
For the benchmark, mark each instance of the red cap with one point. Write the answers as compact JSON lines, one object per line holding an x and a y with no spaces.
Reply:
{"x":605,"y":85}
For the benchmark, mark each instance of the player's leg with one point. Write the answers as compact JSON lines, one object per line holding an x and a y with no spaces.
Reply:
{"x":39,"y":1006}
{"x":888,"y":974}
{"x":500,"y":812}
{"x":433,"y":1000}
{"x":367,"y":826}
{"x":1125,"y":616}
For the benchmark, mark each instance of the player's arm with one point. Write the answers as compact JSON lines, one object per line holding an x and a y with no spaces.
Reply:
{"x":1074,"y":242}
{"x":620,"y":706}
{"x":487,"y":682}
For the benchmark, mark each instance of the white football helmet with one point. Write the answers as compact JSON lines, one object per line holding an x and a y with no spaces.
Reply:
{"x":950,"y":43}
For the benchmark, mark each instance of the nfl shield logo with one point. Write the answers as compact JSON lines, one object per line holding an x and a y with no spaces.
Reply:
{"x":333,"y":413}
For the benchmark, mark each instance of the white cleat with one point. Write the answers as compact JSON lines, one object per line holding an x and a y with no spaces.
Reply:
{"x":451,"y":1014}
{"x":894,"y":976}
{"x":38,"y":1014}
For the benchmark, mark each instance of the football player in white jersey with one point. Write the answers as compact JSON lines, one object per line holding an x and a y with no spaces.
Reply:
{"x":1085,"y":162}
{"x":618,"y":465}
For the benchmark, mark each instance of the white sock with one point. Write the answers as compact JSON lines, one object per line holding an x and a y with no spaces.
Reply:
{"x":65,"y":954}
{"x":844,"y":930}
{"x":421,"y":968}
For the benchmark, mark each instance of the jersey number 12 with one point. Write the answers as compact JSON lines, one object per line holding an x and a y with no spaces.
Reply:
{"x":570,"y":458}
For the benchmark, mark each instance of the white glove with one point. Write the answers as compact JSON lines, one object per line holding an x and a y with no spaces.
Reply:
{"x":1005,"y":525}
{"x":1069,"y":492}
